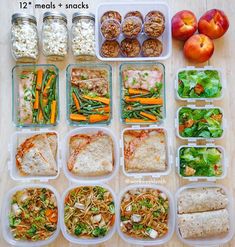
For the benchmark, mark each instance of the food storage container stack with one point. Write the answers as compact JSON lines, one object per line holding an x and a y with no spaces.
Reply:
{"x":24,"y":38}
{"x":83,"y":35}
{"x":55,"y":36}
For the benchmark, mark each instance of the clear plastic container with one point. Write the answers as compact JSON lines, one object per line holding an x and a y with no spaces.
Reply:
{"x":90,"y":130}
{"x":24,"y":38}
{"x":171,"y":217}
{"x":151,"y":174}
{"x":16,"y":71}
{"x":88,"y":66}
{"x":210,"y":241}
{"x":5,"y":221}
{"x":16,"y":140}
{"x":87,"y":241}
{"x":55,"y":36}
{"x":143,"y":66}
{"x":143,"y":7}
{"x":224,"y":163}
{"x":192,"y":99}
{"x":194,"y":139}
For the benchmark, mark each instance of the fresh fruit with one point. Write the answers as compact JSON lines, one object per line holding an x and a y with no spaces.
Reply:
{"x":198,"y":48}
{"x":214,"y":23}
{"x":184,"y":25}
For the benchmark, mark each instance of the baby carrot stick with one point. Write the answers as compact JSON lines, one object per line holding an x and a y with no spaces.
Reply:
{"x":39,"y":79}
{"x":134,"y":91}
{"x":36,"y":102}
{"x":53,"y":111}
{"x":100,"y":99}
{"x":147,"y":115}
{"x":98,"y":118}
{"x":40,"y":115}
{"x":78,"y":117}
{"x":76,"y":102}
{"x":47,"y":87}
{"x":145,"y":101}
{"x":104,"y":109}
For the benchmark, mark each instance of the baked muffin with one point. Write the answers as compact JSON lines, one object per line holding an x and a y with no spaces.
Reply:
{"x":154,"y":24}
{"x":110,"y":48}
{"x":136,"y":14}
{"x":130,"y":47}
{"x":131,"y":27}
{"x":111,"y":15}
{"x":152,"y":48}
{"x":110,"y":29}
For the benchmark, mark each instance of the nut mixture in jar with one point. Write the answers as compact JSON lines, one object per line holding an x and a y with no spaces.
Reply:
{"x":130,"y":47}
{"x":131,"y":27}
{"x":152,"y":48}
{"x":134,"y":13}
{"x":111,"y":15}
{"x":55,"y":35}
{"x":154,"y":24}
{"x":110,"y":29}
{"x":110,"y":48}
{"x":24,"y":38}
{"x":83,"y":34}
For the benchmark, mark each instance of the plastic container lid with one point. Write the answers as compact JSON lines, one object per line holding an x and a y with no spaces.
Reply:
{"x":88,"y":241}
{"x":90,"y":130}
{"x":171,"y":217}
{"x":215,"y":240}
{"x":23,"y":16}
{"x":152,"y":174}
{"x":5,"y":221}
{"x":14,"y":172}
{"x":82,"y":14}
{"x":50,"y":14}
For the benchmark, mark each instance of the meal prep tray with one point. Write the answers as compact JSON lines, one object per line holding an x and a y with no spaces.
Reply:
{"x":144,"y":8}
{"x":5,"y":221}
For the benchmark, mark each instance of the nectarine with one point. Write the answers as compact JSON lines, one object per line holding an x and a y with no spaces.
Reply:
{"x":183,"y":24}
{"x":214,"y":23}
{"x":198,"y":48}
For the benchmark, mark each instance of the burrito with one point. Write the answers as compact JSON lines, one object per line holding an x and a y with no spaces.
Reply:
{"x":202,"y":199}
{"x":205,"y":224}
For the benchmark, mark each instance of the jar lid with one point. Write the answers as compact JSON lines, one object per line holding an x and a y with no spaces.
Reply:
{"x":50,"y":14}
{"x":82,"y":14}
{"x":23,"y":16}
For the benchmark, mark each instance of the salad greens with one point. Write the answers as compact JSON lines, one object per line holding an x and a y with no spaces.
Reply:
{"x":200,"y":122}
{"x":199,"y":84}
{"x":200,"y":161}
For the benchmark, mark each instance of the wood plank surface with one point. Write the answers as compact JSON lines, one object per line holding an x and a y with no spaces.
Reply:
{"x":223,"y":58}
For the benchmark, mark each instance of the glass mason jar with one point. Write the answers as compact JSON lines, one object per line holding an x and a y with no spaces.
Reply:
{"x":83,"y":35}
{"x":24,"y":38}
{"x":55,"y":36}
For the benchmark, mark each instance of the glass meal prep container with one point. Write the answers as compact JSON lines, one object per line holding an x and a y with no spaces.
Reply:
{"x":99,"y":223}
{"x":204,"y":214}
{"x":83,"y":35}
{"x":99,"y":160}
{"x":196,"y":162}
{"x":142,"y":93}
{"x":19,"y":203}
{"x":55,"y":36}
{"x":145,"y":152}
{"x":89,"y":94}
{"x":200,"y":122}
{"x":204,"y":84}
{"x":24,"y":38}
{"x":35,"y":95}
{"x":38,"y":162}
{"x":146,"y":215}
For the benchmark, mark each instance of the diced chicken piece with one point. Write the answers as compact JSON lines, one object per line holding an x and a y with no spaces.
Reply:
{"x":189,"y":123}
{"x":199,"y":89}
{"x":24,"y":197}
{"x":17,"y":211}
{"x":163,"y":196}
{"x":102,"y":223}
{"x":152,"y":233}
{"x":136,"y":218}
{"x":217,"y":117}
{"x":128,"y":208}
{"x":96,"y":219}
{"x":189,"y":171}
{"x":79,"y":205}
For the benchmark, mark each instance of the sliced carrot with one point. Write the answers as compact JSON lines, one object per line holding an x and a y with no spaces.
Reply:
{"x":36,"y":102}
{"x":76,"y":102}
{"x":48,"y":212}
{"x":112,"y":221}
{"x":98,"y":118}
{"x":53,"y":111}
{"x":103,"y":109}
{"x":53,"y":219}
{"x":137,"y":120}
{"x":145,"y":101}
{"x":100,"y":99}
{"x":40,"y":115}
{"x":134,"y":91}
{"x":147,"y":115}
{"x":78,"y":117}
{"x":39,"y":79}
{"x":47,"y":87}
{"x":181,"y":128}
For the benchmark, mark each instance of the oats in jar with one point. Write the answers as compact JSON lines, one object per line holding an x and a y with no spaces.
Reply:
{"x":134,"y":13}
{"x":152,"y":48}
{"x":154,"y":24}
{"x":110,"y":48}
{"x":111,"y":15}
{"x":130,"y":47}
{"x":110,"y":29}
{"x":131,"y":27}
